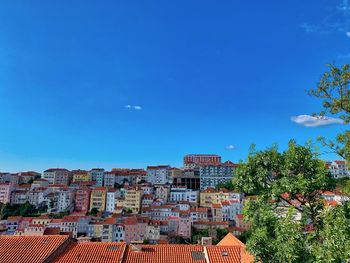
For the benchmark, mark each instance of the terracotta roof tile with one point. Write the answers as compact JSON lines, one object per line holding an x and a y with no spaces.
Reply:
{"x":102,"y":252}
{"x":227,"y":254}
{"x":166,"y":253}
{"x":28,"y":249}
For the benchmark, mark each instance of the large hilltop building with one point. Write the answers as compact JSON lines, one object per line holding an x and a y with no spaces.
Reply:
{"x":192,"y":161}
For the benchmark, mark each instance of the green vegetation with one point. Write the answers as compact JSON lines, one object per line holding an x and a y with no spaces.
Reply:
{"x":294,"y":178}
{"x":93,"y":212}
{"x":198,"y":234}
{"x":228,"y":186}
{"x":26,"y":209}
{"x":59,"y":215}
{"x":344,"y":185}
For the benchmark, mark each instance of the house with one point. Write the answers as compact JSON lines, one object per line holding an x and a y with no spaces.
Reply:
{"x":133,"y":197}
{"x":98,"y":198}
{"x":82,"y":199}
{"x":5,"y":192}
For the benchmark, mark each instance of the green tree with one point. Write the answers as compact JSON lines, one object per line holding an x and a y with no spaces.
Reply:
{"x":288,"y":185}
{"x":333,"y":90}
{"x":93,"y":211}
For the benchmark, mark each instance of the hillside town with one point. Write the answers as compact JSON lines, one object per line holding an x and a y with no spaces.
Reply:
{"x":159,"y":205}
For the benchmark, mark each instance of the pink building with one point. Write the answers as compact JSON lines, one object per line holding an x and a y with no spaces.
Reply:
{"x":179,"y":226}
{"x":185,"y":227}
{"x":135,"y":229}
{"x":82,"y":199}
{"x":5,"y":193}
{"x":240,"y":223}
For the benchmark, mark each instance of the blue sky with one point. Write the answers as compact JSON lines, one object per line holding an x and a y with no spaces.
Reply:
{"x":203,"y":75}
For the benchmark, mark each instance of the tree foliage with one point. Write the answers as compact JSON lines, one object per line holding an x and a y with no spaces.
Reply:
{"x":289,"y":220}
{"x":25,"y":209}
{"x":288,"y":186}
{"x":334,"y":91}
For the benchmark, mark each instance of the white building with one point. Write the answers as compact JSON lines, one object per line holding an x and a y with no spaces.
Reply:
{"x":110,"y":201}
{"x":57,"y":176}
{"x":183,"y":194}
{"x":65,"y":200}
{"x":338,"y":169}
{"x":158,"y":174}
{"x":212,"y":175}
{"x":109,"y":179}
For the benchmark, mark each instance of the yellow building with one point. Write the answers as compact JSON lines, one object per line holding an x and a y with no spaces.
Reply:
{"x":211,"y":196}
{"x":98,"y":198}
{"x":41,"y":220}
{"x":133,"y":198}
{"x":81,"y":176}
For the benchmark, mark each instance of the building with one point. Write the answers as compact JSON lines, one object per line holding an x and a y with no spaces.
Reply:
{"x":98,"y":198}
{"x":158,"y":174}
{"x":69,"y":224}
{"x":216,"y":213}
{"x":162,"y":193}
{"x":183,"y":194}
{"x":65,"y":199}
{"x":57,"y":176}
{"x":111,"y":200}
{"x":212,"y":196}
{"x":109,"y":179}
{"x":241,"y":223}
{"x":9,"y":178}
{"x":212,"y":175}
{"x":27,"y":177}
{"x":19,"y":197}
{"x":338,"y":169}
{"x":192,"y":161}
{"x":130,"y":176}
{"x":97,"y":175}
{"x":135,"y":228}
{"x":36,"y":197}
{"x":133,"y":198}
{"x":5,"y":192}
{"x":82,"y":199}
{"x":81,"y":176}
{"x":188,"y":178}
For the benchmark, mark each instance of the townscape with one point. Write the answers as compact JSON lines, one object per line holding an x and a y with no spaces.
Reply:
{"x":160,"y":205}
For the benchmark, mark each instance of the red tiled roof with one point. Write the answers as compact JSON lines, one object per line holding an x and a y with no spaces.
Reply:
{"x":227,"y":254}
{"x":106,"y":252}
{"x":165,"y":254}
{"x":230,"y":240}
{"x":100,"y":188}
{"x":28,"y":249}
{"x":211,"y":223}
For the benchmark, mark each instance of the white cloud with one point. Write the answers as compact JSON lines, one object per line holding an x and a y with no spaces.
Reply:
{"x":231,"y":147}
{"x":137,"y":107}
{"x":335,"y":21}
{"x":315,"y":121}
{"x":133,"y":107}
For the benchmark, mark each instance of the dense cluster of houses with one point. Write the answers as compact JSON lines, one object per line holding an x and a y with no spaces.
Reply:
{"x":127,"y":205}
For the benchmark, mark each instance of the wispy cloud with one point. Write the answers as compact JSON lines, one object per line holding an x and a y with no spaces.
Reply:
{"x":343,"y":56}
{"x":133,"y":107}
{"x":230,"y":147}
{"x":315,"y":121}
{"x":337,"y":20}
{"x":309,"y":28}
{"x":137,"y":107}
